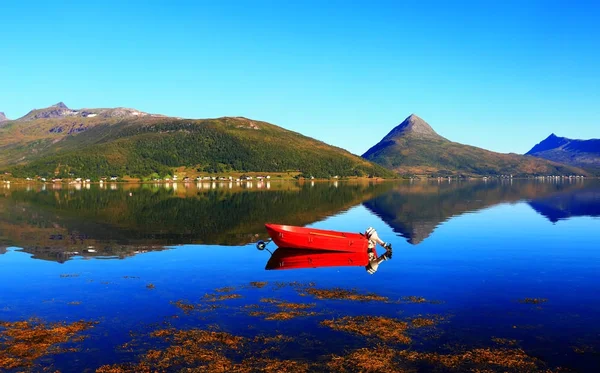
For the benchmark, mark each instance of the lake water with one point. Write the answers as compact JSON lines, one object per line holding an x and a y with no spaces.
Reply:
{"x":497,"y":275}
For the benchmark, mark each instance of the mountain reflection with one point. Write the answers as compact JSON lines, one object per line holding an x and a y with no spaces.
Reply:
{"x":414,"y":210}
{"x":57,"y":222}
{"x":561,"y":206}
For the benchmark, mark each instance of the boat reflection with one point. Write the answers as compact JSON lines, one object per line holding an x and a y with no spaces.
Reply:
{"x":287,"y":258}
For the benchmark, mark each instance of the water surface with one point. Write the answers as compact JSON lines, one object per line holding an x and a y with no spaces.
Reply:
{"x":500,"y":265}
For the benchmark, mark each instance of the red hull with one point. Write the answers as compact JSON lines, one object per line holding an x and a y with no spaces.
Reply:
{"x":289,"y":236}
{"x":298,"y":258}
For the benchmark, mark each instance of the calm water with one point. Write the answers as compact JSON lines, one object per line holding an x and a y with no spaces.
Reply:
{"x":122,"y":254}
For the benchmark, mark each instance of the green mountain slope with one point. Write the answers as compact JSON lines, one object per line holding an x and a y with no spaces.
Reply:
{"x":413,"y":147}
{"x":58,"y":141}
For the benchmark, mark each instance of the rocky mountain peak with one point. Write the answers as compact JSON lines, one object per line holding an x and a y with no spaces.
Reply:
{"x":60,"y":105}
{"x":414,"y":126}
{"x":3,"y":117}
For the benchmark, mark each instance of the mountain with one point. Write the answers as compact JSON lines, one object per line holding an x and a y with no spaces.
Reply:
{"x":61,"y":110}
{"x":3,"y":117}
{"x":580,"y":153}
{"x":89,"y":143}
{"x":413,"y":147}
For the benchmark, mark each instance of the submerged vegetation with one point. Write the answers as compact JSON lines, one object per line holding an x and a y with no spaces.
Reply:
{"x":384,"y":328}
{"x":533,"y":300}
{"x":24,"y":342}
{"x":345,"y":294}
{"x":381,"y":343}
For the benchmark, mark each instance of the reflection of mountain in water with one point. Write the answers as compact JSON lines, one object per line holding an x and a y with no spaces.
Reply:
{"x":562,"y":206}
{"x":414,"y":210}
{"x":54,"y":224}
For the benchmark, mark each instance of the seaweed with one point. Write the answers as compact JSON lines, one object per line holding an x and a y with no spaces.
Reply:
{"x":23,"y":342}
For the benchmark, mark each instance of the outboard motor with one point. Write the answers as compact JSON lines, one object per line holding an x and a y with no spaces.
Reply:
{"x":374,"y":261}
{"x":374,"y":239}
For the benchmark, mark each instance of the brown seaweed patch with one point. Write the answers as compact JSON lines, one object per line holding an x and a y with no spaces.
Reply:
{"x":226,"y":289}
{"x":420,"y":322}
{"x":416,"y":300}
{"x":258,"y":284}
{"x":379,"y":359}
{"x":67,"y":275}
{"x":478,"y":360}
{"x":23,"y":342}
{"x":150,"y":286}
{"x":288,"y":305}
{"x":217,"y":298}
{"x":201,"y":350}
{"x":267,"y":365}
{"x":345,"y":294}
{"x":199,"y":337}
{"x":288,"y":315}
{"x":505,"y":341}
{"x":585,"y":349}
{"x":74,"y":303}
{"x":385,"y":328}
{"x":532,"y":300}
{"x":280,"y":338}
{"x":185,"y":307}
{"x":287,"y":310}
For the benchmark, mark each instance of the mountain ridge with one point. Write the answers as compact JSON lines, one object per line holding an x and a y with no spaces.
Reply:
{"x":414,"y":148}
{"x":58,"y":142}
{"x":575,"y":152}
{"x":60,"y":110}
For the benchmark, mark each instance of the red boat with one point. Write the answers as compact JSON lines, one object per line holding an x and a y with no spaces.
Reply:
{"x":292,"y":237}
{"x":284,"y":258}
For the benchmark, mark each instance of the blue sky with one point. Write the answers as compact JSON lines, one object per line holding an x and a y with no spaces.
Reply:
{"x":501,"y":75}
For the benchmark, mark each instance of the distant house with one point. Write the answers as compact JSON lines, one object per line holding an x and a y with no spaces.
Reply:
{"x":267,"y":177}
{"x":113,"y":178}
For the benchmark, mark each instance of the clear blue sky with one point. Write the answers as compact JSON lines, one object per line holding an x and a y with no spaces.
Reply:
{"x":501,"y":75}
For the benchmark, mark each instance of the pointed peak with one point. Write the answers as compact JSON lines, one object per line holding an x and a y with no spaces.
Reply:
{"x":414,"y":126}
{"x":550,"y":142}
{"x":60,"y":105}
{"x":3,"y":117}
